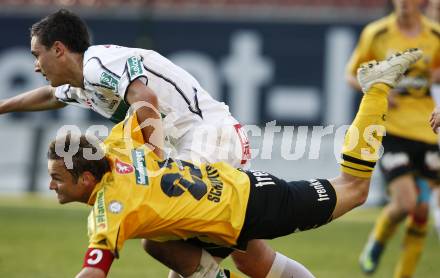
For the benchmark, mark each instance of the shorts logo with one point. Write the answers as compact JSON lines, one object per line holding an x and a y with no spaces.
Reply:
{"x":115,"y":207}
{"x":138,"y":157}
{"x":432,"y":160}
{"x":322,"y":193}
{"x":109,"y":81}
{"x":392,"y":161}
{"x":100,"y":214}
{"x":123,"y":168}
{"x":134,"y":67}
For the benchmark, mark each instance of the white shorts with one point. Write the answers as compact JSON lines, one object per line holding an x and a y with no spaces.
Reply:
{"x":211,"y":143}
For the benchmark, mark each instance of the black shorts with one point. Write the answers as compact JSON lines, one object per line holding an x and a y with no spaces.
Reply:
{"x":277,"y":208}
{"x":403,"y":156}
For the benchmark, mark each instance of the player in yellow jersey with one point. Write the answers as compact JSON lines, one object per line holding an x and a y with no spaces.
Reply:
{"x":411,"y":155}
{"x":215,"y":207}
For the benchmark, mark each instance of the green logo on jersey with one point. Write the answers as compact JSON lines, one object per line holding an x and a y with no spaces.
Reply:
{"x":134,"y":67}
{"x":221,"y":274}
{"x":100,"y":215}
{"x":109,"y":81}
{"x":138,"y":157}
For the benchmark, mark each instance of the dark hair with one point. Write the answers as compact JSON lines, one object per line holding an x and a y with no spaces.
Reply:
{"x":80,"y":164}
{"x":63,"y":26}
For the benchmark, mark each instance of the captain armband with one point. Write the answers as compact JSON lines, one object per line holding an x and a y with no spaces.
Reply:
{"x":98,"y":258}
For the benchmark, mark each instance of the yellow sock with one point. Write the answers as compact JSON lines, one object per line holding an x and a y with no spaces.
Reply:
{"x":412,"y":248}
{"x":362,"y":144}
{"x":384,"y":228}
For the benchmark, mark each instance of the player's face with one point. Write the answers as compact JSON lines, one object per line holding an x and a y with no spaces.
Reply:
{"x":47,"y":62}
{"x":404,"y":8}
{"x":63,"y":183}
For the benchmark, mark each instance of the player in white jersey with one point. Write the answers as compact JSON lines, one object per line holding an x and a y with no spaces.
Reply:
{"x":191,"y":115}
{"x":108,"y":79}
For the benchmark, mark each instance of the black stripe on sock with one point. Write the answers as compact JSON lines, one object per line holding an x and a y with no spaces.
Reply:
{"x":356,"y":168}
{"x":358,"y":161}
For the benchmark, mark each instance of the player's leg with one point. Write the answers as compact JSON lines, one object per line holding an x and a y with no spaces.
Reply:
{"x":403,"y":201}
{"x":176,"y":255}
{"x":415,"y":234}
{"x":361,"y":148}
{"x":188,"y":259}
{"x":426,"y":163}
{"x":436,"y":209}
{"x":310,"y":204}
{"x":261,"y":261}
{"x":362,"y":142}
{"x":256,"y":261}
{"x":304,"y":205}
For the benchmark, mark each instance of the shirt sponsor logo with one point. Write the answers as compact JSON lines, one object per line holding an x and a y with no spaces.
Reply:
{"x":115,"y":207}
{"x":138,"y":157}
{"x":109,"y":81}
{"x":100,"y":214}
{"x":123,"y":168}
{"x":134,"y":67}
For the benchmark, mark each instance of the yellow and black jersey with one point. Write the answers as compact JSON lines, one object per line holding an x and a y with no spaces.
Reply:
{"x":382,"y":38}
{"x":145,"y":197}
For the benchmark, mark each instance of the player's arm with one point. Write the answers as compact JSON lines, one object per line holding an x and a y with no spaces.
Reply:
{"x":350,"y":72}
{"x":39,"y":99}
{"x":145,"y":103}
{"x":91,"y":272}
{"x":97,"y":263}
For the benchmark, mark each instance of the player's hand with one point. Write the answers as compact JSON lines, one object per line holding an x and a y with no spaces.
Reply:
{"x":392,"y":102}
{"x":434,"y":121}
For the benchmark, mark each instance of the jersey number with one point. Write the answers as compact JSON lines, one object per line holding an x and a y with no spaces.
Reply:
{"x":174,"y":185}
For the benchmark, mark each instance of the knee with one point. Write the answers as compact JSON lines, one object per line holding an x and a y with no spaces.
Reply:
{"x":242,"y":263}
{"x":255,"y":267}
{"x":179,"y":256}
{"x":406,"y":206}
{"x":256,"y":261}
{"x":151,"y":248}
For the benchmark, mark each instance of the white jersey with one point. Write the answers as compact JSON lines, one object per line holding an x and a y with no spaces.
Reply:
{"x":108,"y":71}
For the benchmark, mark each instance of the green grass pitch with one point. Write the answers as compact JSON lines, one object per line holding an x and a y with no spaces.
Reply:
{"x":39,"y":238}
